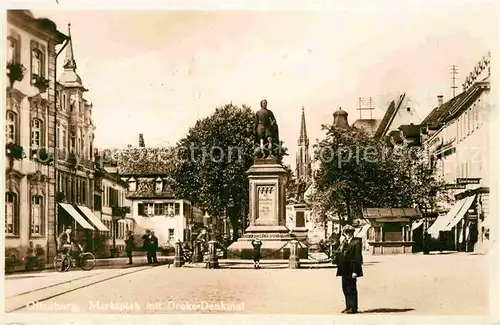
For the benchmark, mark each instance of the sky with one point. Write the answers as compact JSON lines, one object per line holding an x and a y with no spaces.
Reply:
{"x":157,"y":72}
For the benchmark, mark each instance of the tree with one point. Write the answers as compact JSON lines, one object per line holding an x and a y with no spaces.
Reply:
{"x":357,"y":171}
{"x":212,"y":160}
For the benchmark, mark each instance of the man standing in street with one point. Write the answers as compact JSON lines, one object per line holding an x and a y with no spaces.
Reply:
{"x":349,"y":267}
{"x":154,"y":247}
{"x":130,"y":245}
{"x":147,"y":245}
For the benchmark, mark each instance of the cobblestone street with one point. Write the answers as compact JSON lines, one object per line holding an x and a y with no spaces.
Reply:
{"x":405,"y":285}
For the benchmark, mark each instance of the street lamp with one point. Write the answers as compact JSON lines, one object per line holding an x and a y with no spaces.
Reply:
{"x":231,"y":207}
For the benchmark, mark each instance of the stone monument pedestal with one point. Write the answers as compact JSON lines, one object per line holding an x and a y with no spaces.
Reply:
{"x":267,"y":213}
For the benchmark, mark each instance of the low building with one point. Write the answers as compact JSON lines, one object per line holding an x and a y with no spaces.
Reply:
{"x":457,"y":137}
{"x":113,"y":209}
{"x":150,"y":191}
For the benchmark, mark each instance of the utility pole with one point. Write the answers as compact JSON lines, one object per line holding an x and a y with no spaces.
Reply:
{"x":454,"y":73}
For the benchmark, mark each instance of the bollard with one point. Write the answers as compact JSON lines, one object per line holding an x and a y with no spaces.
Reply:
{"x":197,"y":258}
{"x":293,"y":262}
{"x":213,"y":262}
{"x":178,"y":257}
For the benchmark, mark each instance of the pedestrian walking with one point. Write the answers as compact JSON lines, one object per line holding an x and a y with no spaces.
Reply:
{"x":32,"y":259}
{"x":154,"y":247}
{"x":130,"y":246}
{"x":349,"y":267}
{"x":147,"y":245}
{"x":256,"y":243}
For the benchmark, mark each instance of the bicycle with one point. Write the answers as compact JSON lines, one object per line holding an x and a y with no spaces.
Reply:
{"x":63,"y":261}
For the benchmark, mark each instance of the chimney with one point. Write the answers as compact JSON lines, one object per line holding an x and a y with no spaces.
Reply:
{"x":141,"y":140}
{"x":440,"y":100}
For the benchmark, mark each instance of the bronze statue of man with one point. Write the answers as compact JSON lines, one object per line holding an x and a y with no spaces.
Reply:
{"x":266,"y":131}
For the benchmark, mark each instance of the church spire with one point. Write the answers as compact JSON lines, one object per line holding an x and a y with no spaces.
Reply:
{"x":69,"y":61}
{"x":303,"y":139}
{"x":303,"y":167}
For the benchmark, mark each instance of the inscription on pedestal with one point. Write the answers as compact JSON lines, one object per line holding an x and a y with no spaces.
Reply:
{"x":265,"y":199}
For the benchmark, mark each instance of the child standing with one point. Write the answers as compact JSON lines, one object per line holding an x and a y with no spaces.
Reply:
{"x":256,"y":243}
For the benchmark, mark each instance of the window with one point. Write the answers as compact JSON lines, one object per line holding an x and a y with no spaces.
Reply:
{"x":36,"y":133}
{"x":171,"y":234}
{"x":472,"y":115}
{"x":73,"y":139}
{"x":36,"y":215}
{"x":36,"y":64}
{"x":11,"y":127}
{"x":149,"y":208}
{"x":64,"y":139}
{"x":177,"y":209}
{"x":158,"y":207}
{"x":168,"y":209}
{"x":476,"y":117}
{"x":64,"y":102}
{"x":14,"y":50}
{"x":11,"y":213}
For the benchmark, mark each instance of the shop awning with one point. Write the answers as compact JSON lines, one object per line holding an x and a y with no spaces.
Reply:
{"x":76,"y":215}
{"x":443,"y":221}
{"x":463,"y":210}
{"x":93,"y":218}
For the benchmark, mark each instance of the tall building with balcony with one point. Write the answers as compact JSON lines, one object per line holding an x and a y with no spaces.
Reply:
{"x":29,"y":118}
{"x":75,"y":166}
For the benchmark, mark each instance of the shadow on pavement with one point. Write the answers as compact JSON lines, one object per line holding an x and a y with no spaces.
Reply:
{"x":386,"y":310}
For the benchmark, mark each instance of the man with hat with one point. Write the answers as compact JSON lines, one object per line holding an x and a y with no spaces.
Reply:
{"x":349,"y":268}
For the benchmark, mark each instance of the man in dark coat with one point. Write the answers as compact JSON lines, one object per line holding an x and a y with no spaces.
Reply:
{"x":154,"y":247}
{"x":349,"y":267}
{"x":130,"y":245}
{"x":147,"y":245}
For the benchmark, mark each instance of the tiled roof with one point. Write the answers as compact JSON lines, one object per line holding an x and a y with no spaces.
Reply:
{"x":391,"y":213}
{"x":441,"y":114}
{"x":388,"y":117}
{"x":142,"y":161}
{"x":368,"y":125}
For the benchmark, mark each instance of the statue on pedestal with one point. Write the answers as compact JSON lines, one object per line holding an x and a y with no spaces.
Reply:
{"x":266,"y":133}
{"x":301,"y":189}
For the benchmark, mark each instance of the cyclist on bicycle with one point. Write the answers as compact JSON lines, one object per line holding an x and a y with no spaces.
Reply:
{"x":66,"y":245}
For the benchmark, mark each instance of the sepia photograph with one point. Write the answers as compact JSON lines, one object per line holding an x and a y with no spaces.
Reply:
{"x":339,"y":161}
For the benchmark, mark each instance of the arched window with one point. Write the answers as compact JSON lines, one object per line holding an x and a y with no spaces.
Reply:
{"x":11,"y":213}
{"x":36,"y":133}
{"x":11,"y":127}
{"x":36,"y":63}
{"x":37,"y":215}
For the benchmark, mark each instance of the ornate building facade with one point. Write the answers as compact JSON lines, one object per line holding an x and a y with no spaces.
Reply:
{"x":29,"y":187}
